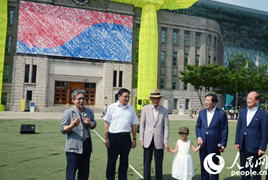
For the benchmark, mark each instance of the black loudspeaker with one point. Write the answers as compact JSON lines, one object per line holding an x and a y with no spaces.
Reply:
{"x":27,"y":129}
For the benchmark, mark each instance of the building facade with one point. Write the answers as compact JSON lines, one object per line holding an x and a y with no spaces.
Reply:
{"x":48,"y":80}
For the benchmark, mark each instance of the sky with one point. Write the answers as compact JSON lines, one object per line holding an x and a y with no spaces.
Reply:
{"x":261,"y":5}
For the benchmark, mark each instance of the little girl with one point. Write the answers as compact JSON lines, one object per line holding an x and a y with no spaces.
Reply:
{"x":182,"y":166}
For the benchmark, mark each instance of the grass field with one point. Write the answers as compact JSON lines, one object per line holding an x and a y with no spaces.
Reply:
{"x":41,"y":155}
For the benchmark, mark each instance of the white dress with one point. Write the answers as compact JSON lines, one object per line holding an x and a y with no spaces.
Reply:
{"x":182,"y":166}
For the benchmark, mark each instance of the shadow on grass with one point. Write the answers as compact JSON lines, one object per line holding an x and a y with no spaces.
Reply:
{"x":169,"y":177}
{"x":31,"y":159}
{"x":232,"y":178}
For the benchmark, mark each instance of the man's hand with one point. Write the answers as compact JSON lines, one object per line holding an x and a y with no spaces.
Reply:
{"x":133,"y":144}
{"x":222,"y":149}
{"x":200,"y":141}
{"x":142,"y":144}
{"x":107,"y":143}
{"x":87,"y":121}
{"x":166,"y":146}
{"x":236,"y":147}
{"x":75,"y":122}
{"x":261,"y":152}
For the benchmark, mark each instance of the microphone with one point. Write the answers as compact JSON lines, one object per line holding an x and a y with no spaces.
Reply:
{"x":84,"y":115}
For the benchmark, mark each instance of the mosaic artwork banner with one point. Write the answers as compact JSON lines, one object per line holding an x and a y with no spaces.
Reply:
{"x":60,"y":31}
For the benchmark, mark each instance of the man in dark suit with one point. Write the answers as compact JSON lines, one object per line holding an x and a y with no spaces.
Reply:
{"x":251,"y":135}
{"x":211,"y":132}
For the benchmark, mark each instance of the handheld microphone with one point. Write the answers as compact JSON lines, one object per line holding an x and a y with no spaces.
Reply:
{"x":84,"y":115}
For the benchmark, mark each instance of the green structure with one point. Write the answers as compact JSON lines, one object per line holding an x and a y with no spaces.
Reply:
{"x":3,"y":30}
{"x":148,"y":41}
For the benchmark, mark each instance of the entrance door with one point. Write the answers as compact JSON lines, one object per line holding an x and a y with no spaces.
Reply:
{"x":73,"y":86}
{"x":64,"y":89}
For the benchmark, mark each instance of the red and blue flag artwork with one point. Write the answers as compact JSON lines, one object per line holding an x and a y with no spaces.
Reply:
{"x":70,"y":32}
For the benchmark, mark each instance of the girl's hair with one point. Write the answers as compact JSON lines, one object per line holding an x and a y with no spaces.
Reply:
{"x":184,"y":130}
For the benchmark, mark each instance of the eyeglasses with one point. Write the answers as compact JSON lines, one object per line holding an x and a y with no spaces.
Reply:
{"x":125,"y":97}
{"x":81,"y":98}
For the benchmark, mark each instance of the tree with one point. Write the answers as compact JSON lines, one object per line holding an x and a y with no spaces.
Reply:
{"x":204,"y":78}
{"x":223,"y":80}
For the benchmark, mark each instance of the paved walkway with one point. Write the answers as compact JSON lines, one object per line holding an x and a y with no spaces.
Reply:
{"x":58,"y":115}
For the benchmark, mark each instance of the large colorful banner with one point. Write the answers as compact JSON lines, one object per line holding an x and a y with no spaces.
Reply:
{"x":60,"y":31}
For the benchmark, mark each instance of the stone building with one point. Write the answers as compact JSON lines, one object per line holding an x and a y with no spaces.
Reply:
{"x":49,"y":80}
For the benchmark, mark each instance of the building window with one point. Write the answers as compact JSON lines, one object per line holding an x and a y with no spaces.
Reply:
{"x":174,"y":59}
{"x":174,"y":81}
{"x":187,"y":102}
{"x":175,"y":102}
{"x":186,"y":38}
{"x":120,"y":78}
{"x":215,"y":42}
{"x":175,"y":37}
{"x":215,"y":61}
{"x":4,"y":98}
{"x":34,"y":69}
{"x":197,"y":60}
{"x":6,"y":72}
{"x":163,"y":35}
{"x":209,"y":41}
{"x":209,"y":59}
{"x":197,"y":40}
{"x":29,"y":95}
{"x":26,"y":73}
{"x":185,"y":60}
{"x":11,"y":13}
{"x":115,"y":79}
{"x":137,"y":31}
{"x":8,"y":43}
{"x":162,"y":81}
{"x":185,"y":86}
{"x":163,"y":56}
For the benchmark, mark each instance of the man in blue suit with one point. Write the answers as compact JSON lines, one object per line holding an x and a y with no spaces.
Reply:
{"x":211,"y":132}
{"x":251,"y":135}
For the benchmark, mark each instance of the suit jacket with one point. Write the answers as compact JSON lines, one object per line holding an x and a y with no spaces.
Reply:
{"x":154,"y":129}
{"x":74,"y":139}
{"x":255,"y":134}
{"x":214,"y":134}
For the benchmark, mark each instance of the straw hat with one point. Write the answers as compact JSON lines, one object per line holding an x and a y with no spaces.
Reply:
{"x":184,"y":130}
{"x":155,"y":93}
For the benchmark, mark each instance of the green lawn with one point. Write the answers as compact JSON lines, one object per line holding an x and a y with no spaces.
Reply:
{"x":41,"y":155}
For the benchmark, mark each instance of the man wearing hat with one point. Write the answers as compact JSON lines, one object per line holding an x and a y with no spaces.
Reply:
{"x":154,"y":127}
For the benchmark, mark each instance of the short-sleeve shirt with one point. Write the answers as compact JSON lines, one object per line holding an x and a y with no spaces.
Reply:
{"x":120,"y":119}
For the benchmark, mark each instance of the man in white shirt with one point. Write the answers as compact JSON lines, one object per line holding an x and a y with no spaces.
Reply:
{"x":251,"y":135}
{"x":211,"y":132}
{"x":120,"y":119}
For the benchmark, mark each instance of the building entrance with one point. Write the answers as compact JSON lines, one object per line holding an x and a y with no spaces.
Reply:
{"x":64,"y":89}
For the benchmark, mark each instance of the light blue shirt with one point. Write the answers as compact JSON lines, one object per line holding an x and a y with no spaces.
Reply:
{"x":120,"y":119}
{"x":250,"y":114}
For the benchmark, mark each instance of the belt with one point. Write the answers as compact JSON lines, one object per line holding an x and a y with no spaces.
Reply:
{"x":121,"y":133}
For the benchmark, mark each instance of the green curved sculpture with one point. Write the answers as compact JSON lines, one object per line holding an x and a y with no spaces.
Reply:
{"x":3,"y":30}
{"x":148,"y":41}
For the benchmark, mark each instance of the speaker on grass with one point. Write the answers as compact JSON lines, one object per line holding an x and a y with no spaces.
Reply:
{"x":27,"y":129}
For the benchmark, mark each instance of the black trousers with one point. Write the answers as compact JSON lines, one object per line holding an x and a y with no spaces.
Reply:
{"x":203,"y":152}
{"x":158,"y":159}
{"x":245,"y":172}
{"x":79,"y":162}
{"x":120,"y":144}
